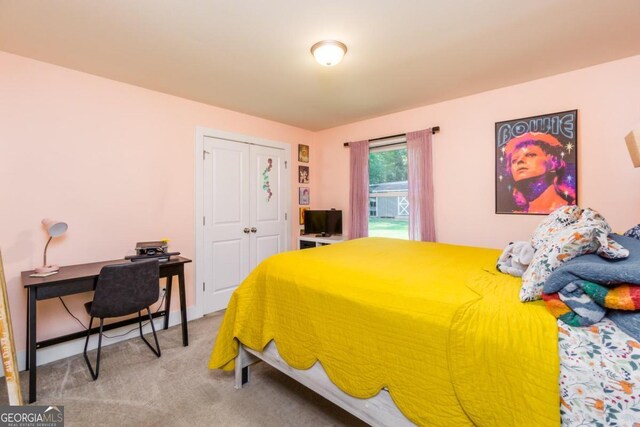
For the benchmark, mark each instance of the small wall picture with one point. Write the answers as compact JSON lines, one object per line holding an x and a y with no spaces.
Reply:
{"x":303,"y":153}
{"x":303,"y":174}
{"x":303,"y":197}
{"x":536,"y":163}
{"x":302,"y":210}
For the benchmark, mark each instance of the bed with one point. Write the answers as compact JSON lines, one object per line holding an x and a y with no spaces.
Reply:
{"x":401,"y":333}
{"x":433,"y":325}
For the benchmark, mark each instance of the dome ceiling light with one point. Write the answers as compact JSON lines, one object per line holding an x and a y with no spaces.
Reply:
{"x":329,"y":52}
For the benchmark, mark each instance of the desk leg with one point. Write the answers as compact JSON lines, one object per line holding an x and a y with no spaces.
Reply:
{"x":31,"y":351}
{"x":183,"y":308}
{"x":167,"y":304}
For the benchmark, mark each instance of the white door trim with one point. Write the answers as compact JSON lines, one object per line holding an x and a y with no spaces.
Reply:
{"x":201,"y":133}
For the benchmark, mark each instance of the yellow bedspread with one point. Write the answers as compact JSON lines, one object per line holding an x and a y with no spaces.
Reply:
{"x":436,"y":324}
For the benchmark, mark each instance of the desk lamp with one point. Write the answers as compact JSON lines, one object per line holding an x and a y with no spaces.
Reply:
{"x":633,"y":144}
{"x":55,"y":229}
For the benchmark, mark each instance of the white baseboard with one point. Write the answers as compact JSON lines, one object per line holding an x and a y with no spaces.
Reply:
{"x":71,"y":348}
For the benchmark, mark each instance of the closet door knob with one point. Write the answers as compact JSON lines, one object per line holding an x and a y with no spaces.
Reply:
{"x":253,"y":229}
{"x":246,"y":230}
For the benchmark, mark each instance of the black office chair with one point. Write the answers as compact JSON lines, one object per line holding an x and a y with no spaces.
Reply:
{"x":123,"y":289}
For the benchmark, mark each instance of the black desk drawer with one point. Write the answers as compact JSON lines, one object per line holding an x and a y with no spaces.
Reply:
{"x":69,"y":288}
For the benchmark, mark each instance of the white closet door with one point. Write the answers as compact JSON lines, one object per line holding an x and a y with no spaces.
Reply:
{"x":268,"y":222}
{"x":226,"y":219}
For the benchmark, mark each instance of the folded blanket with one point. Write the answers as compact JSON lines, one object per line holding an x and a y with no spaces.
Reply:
{"x":565,"y":234}
{"x":587,"y":288}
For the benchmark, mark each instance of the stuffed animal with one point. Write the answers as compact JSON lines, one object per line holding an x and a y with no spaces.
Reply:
{"x":515,"y":258}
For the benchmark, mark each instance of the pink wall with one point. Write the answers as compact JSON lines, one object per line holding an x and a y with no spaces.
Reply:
{"x":115,"y":161}
{"x":606,"y":97}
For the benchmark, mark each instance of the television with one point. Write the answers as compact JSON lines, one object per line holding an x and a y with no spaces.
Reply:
{"x":324,"y":222}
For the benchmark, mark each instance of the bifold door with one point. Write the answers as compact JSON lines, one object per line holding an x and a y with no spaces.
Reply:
{"x":244,"y":213}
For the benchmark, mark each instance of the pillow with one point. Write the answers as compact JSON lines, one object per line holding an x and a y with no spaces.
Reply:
{"x":557,"y":220}
{"x":563,"y":239}
{"x":633,"y":232}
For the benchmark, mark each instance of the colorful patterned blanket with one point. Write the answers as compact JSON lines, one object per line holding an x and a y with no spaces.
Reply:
{"x":588,"y":288}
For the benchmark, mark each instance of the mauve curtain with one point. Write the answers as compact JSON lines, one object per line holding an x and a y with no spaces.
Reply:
{"x":420,"y":174}
{"x":359,"y":189}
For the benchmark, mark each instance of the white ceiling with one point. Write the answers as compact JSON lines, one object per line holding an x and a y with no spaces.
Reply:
{"x":253,"y":56}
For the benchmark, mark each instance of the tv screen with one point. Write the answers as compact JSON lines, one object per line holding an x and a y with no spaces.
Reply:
{"x":323,"y":221}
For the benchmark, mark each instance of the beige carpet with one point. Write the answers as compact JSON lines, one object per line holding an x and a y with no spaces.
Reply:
{"x":136,"y":388}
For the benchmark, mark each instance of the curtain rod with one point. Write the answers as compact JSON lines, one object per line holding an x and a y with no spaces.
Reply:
{"x":434,"y":130}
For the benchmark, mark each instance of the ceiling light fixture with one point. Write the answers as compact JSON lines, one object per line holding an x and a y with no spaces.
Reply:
{"x":329,"y":52}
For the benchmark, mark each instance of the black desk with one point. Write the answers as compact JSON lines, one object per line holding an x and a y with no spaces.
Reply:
{"x":75,"y":279}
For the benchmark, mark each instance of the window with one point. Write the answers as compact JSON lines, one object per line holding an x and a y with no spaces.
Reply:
{"x":403,"y":206}
{"x":373,"y":206}
{"x":388,"y":187}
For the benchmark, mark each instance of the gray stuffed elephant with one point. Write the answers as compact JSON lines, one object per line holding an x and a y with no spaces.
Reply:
{"x":515,"y":258}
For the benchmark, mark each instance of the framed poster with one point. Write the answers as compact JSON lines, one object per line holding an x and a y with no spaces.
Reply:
{"x":303,"y":174}
{"x":302,"y":210}
{"x":303,"y":153}
{"x":536,"y":163}
{"x":303,"y":196}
